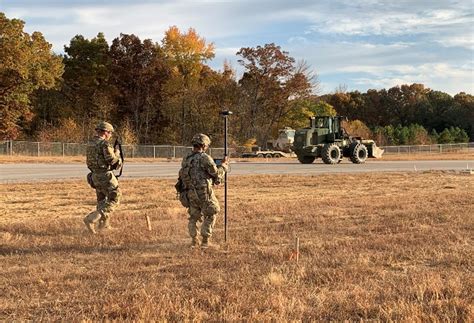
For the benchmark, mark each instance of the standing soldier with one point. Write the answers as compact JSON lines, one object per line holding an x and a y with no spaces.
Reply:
{"x":102,"y":159}
{"x":197,"y":175}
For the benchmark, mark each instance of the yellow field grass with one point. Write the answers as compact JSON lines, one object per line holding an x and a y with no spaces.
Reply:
{"x":379,"y":246}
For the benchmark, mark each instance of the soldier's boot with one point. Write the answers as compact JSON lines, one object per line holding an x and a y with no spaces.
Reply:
{"x":194,"y":242}
{"x":90,"y":221}
{"x":104,"y":224}
{"x":205,"y":242}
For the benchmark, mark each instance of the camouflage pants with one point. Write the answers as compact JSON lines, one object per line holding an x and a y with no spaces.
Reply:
{"x":204,"y":207}
{"x":108,"y":193}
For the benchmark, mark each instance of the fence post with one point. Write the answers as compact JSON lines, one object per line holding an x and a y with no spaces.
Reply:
{"x":11,"y":147}
{"x":174,"y":152}
{"x":38,"y":145}
{"x":154,"y":151}
{"x":63,"y":149}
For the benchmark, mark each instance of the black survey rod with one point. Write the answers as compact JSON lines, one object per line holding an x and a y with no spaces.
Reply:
{"x":225,"y":114}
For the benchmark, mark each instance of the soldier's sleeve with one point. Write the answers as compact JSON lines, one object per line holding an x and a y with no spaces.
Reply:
{"x":183,"y":164}
{"x":109,"y":154}
{"x":216,"y":172}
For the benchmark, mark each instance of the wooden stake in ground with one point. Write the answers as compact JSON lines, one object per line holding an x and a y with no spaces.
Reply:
{"x":297,"y":249}
{"x":148,"y":222}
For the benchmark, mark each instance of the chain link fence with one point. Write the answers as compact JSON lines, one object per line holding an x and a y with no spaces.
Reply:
{"x":46,"y":149}
{"x":430,"y":149}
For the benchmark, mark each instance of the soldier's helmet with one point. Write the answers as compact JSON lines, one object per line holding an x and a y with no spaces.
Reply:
{"x":104,"y":126}
{"x":201,"y":139}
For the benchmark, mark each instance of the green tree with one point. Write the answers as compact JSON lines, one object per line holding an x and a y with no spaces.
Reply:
{"x":458,"y":134}
{"x":440,"y":113}
{"x":138,"y":73}
{"x":418,"y":135}
{"x":301,"y":110}
{"x":434,"y":136}
{"x":445,"y":137}
{"x":27,"y":64}
{"x":464,"y":113}
{"x":86,"y":90}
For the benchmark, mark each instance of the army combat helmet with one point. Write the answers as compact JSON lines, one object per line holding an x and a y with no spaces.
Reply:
{"x":201,"y":139}
{"x":105,"y":126}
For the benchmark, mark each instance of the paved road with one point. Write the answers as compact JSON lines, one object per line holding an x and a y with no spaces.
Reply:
{"x":40,"y":172}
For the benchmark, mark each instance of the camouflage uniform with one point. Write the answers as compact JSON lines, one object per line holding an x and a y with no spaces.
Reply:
{"x":198,"y":174}
{"x":101,"y":160}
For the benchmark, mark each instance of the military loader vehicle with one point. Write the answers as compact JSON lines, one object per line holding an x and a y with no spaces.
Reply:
{"x":326,"y":138}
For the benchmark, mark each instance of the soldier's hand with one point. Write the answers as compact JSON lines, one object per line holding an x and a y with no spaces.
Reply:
{"x":117,"y":152}
{"x":117,"y":165}
{"x":225,"y":163}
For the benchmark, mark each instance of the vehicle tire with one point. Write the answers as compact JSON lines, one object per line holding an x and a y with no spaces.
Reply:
{"x":358,"y":153}
{"x":276,"y":155}
{"x":259,"y":155}
{"x":306,"y":159}
{"x":268,"y":156}
{"x":331,"y":154}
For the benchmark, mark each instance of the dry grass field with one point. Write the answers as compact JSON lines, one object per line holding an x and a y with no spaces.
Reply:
{"x":386,"y":246}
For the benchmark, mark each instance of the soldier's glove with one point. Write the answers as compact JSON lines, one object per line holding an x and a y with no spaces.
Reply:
{"x":225,"y":163}
{"x":225,"y":167}
{"x":117,"y":165}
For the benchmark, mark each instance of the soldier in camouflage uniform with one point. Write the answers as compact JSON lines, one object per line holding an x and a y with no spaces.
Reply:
{"x":101,"y":160}
{"x":198,"y":174}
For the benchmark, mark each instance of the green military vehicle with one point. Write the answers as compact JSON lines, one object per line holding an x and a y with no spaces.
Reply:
{"x":327,"y":139}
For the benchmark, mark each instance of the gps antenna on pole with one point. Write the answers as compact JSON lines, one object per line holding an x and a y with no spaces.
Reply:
{"x":225,"y":114}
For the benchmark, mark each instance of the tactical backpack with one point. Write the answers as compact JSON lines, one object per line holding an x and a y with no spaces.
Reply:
{"x":184,"y":182}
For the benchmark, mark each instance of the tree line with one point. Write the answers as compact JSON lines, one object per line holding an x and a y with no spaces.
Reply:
{"x":164,"y":92}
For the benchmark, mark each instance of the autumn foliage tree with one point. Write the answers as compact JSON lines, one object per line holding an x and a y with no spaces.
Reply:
{"x":270,"y":82}
{"x":26,"y":64}
{"x":164,"y":92}
{"x":186,"y":53}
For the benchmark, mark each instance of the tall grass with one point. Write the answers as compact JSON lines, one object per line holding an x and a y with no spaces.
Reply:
{"x":373,"y":247}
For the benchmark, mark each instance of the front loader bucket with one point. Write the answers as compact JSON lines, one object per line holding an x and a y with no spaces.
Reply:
{"x":373,"y":150}
{"x":377,"y":152}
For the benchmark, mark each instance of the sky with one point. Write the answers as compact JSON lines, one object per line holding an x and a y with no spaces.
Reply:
{"x":349,"y":44}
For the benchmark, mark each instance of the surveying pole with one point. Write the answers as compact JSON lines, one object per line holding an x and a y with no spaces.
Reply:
{"x":225,"y":114}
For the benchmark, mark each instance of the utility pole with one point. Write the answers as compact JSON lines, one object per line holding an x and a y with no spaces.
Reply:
{"x":225,"y":114}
